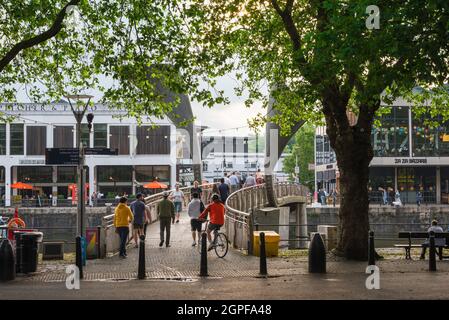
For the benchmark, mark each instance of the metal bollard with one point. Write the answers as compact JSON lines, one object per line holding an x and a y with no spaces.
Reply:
{"x":432,"y":252}
{"x":79,"y":258}
{"x":141,"y":268}
{"x":317,"y":255}
{"x":7,"y":263}
{"x":203,"y":265}
{"x":263,"y":255}
{"x":371,"y":251}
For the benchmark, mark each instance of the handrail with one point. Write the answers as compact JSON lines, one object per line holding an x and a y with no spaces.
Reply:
{"x":241,"y":203}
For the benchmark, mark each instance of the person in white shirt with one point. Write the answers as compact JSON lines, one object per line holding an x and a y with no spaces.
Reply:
{"x":177,"y":198}
{"x":194,"y":209}
{"x":226,"y":180}
{"x":439,"y":242}
{"x":235,"y":183}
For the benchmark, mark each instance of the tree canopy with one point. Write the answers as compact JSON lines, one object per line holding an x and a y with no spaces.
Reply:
{"x":51,"y":48}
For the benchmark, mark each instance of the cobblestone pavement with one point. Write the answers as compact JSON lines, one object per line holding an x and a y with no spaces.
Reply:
{"x":182,"y":261}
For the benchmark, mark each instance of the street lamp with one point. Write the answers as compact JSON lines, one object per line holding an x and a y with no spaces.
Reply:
{"x":78,"y":111}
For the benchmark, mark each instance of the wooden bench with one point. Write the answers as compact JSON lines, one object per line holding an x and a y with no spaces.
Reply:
{"x":418,"y":235}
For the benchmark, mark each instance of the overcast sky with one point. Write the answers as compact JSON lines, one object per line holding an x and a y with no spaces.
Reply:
{"x":220,"y":117}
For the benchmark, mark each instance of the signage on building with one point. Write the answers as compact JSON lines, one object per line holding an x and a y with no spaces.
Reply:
{"x":29,"y":161}
{"x":296,"y":169}
{"x":100,"y":151}
{"x":410,"y":160}
{"x":62,"y":156}
{"x":311,"y":166}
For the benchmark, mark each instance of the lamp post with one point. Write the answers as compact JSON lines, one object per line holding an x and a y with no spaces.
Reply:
{"x":79,"y":111}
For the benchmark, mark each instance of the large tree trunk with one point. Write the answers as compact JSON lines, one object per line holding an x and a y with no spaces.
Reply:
{"x":352,"y":145}
{"x":353,"y":164}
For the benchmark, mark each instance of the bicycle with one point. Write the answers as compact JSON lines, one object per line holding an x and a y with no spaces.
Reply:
{"x":220,"y":242}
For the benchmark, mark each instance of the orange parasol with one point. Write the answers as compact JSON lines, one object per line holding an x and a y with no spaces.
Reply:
{"x":155,"y":185}
{"x":21,"y":185}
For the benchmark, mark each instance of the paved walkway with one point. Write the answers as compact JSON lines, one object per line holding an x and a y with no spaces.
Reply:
{"x":182,"y":262}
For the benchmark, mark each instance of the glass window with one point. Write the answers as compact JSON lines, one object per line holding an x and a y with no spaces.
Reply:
{"x":100,"y":135}
{"x":392,"y":137}
{"x":411,"y":180}
{"x":2,"y":138}
{"x":444,"y":171}
{"x":36,"y":174}
{"x":67,"y":174}
{"x":2,"y":174}
{"x":114,"y":173}
{"x":144,"y":173}
{"x":85,"y":135}
{"x":162,"y":173}
{"x":430,"y":140}
{"x":16,"y":136}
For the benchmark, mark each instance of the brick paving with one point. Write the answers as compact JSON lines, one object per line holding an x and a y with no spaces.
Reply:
{"x":182,"y":261}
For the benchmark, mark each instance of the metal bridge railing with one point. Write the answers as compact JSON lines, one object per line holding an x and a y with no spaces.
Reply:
{"x":241,"y":204}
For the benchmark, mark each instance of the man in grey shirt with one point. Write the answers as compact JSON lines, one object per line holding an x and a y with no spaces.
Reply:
{"x":250,"y":181}
{"x":138,"y":208}
{"x":439,"y":242}
{"x":194,"y":209}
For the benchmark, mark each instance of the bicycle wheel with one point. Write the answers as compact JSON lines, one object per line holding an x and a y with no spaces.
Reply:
{"x":221,"y":245}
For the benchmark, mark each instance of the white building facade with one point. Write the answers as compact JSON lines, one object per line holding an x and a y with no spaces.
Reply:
{"x":146,"y":152}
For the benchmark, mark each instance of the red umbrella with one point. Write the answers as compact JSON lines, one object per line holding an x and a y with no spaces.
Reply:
{"x":21,"y":185}
{"x":155,"y":185}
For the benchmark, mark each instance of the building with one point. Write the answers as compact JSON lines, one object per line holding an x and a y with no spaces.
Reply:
{"x":409,"y":155}
{"x":237,"y":156}
{"x":145,"y":152}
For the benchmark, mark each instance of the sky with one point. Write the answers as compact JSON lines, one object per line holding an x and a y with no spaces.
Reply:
{"x":232,"y":115}
{"x":220,"y":118}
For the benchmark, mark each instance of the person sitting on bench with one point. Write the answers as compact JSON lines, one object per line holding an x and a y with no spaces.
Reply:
{"x":439,"y":242}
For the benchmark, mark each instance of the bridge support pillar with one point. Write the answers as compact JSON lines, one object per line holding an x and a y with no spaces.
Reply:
{"x":301,"y":210}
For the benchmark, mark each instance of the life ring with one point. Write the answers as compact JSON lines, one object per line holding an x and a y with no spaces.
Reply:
{"x":16,"y":223}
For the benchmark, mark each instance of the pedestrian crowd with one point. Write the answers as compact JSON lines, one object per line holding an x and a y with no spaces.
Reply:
{"x":170,"y":207}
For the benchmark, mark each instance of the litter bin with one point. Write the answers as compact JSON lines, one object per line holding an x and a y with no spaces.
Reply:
{"x":271,"y":243}
{"x":27,"y":251}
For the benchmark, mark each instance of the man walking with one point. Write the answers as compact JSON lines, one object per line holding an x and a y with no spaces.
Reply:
{"x":138,"y":209}
{"x":224,"y":190}
{"x":234,"y":182}
{"x":250,"y":181}
{"x":166,"y":212}
{"x":194,"y":210}
{"x":178,"y":199}
{"x":122,"y":218}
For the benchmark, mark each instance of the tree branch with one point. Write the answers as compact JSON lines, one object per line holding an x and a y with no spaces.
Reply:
{"x":289,"y":24}
{"x":28,"y":43}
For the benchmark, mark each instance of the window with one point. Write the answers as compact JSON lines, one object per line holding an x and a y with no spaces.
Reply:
{"x":36,"y":174}
{"x":85,"y":135}
{"x":36,"y":140}
{"x":100,"y":135}
{"x":153,"y":140}
{"x":119,"y":139}
{"x":117,"y":173}
{"x":2,"y":175}
{"x":16,"y":136}
{"x":2,"y":138}
{"x":67,"y":174}
{"x":430,"y":140}
{"x":144,"y":173}
{"x":63,"y":137}
{"x":162,"y":173}
{"x":391,"y":138}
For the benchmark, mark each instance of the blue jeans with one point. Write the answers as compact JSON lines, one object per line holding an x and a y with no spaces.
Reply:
{"x":123,"y":233}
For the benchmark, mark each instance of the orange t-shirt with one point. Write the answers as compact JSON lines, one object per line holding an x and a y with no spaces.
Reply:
{"x":216,"y":212}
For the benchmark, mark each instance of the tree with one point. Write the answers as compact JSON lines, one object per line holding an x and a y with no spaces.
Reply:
{"x":321,"y":61}
{"x":302,"y":149}
{"x":55,"y":47}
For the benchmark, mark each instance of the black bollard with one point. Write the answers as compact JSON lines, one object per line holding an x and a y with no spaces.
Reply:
{"x":432,"y":252}
{"x":203,"y":266}
{"x":263,"y":255}
{"x":141,"y":269}
{"x":317,"y":255}
{"x":371,"y":251}
{"x":79,"y":258}
{"x":7,"y":263}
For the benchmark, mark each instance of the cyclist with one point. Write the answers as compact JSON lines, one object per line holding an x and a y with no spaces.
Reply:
{"x":216,"y":211}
